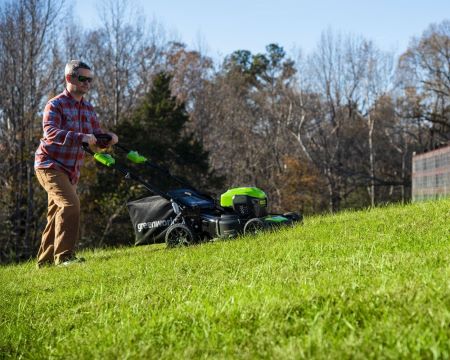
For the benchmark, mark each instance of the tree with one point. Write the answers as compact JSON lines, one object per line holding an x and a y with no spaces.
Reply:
{"x":29,"y":61}
{"x":114,"y":51}
{"x":190,"y":71}
{"x":425,"y":66}
{"x":377,"y":82}
{"x":327,"y":113}
{"x":333,"y":114}
{"x":244,"y":107}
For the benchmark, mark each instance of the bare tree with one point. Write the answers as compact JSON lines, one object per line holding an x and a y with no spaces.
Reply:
{"x":425,"y":66}
{"x":378,"y":75}
{"x":29,"y":60}
{"x":150,"y":56}
{"x":114,"y":51}
{"x":191,"y":71}
{"x":338,"y":89}
{"x":332,"y":80}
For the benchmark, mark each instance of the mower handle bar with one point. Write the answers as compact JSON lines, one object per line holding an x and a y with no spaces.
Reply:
{"x":107,"y":138}
{"x":104,"y":138}
{"x":110,"y":162}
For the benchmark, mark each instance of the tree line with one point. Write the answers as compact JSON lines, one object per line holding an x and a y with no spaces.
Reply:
{"x":324,"y":131}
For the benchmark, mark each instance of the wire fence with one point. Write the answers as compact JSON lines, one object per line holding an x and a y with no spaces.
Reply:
{"x":431,"y":175}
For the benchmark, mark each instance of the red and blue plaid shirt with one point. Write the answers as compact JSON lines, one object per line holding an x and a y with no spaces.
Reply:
{"x":65,"y":122}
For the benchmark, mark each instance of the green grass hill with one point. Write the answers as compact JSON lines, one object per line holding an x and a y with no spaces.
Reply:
{"x":365,"y":284}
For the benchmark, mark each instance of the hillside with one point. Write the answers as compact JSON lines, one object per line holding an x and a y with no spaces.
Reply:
{"x":364,"y":284}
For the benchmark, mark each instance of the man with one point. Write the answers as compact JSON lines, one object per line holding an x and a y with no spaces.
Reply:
{"x":68,"y":121}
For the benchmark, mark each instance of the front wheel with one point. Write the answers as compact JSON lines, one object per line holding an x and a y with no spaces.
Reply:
{"x":179,"y":235}
{"x":254,"y":226}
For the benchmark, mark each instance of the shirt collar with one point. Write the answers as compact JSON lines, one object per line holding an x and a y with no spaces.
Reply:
{"x":69,"y":95}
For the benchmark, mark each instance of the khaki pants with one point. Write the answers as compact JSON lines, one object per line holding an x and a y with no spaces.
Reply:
{"x":63,"y":217}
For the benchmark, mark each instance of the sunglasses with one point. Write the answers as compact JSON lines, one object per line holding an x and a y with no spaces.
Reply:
{"x":84,"y":79}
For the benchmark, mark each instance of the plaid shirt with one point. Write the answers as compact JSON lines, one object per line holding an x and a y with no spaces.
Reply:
{"x":65,"y":122}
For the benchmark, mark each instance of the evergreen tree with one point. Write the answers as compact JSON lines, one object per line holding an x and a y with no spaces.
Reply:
{"x":158,"y":130}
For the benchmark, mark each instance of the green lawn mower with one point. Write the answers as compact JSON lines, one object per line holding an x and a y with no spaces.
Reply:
{"x":184,"y":215}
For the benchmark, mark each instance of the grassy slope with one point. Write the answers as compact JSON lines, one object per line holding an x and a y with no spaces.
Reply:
{"x":359,"y":284}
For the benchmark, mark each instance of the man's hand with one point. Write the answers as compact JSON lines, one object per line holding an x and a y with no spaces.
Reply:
{"x":89,"y":138}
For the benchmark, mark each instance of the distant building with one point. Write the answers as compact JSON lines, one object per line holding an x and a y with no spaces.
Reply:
{"x":431,"y":174}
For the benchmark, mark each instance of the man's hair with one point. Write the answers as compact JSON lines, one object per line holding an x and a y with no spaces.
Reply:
{"x":73,"y":65}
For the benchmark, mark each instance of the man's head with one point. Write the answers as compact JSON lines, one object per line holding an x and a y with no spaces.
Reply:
{"x":78,"y":77}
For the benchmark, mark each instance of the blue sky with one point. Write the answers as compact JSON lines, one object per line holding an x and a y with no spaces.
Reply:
{"x":228,"y":25}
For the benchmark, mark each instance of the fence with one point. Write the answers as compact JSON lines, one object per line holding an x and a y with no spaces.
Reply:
{"x":431,"y":174}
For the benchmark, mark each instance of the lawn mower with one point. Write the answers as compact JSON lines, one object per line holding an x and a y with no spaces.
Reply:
{"x":184,"y":215}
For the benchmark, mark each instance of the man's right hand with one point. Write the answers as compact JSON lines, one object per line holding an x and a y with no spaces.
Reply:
{"x":89,"y":138}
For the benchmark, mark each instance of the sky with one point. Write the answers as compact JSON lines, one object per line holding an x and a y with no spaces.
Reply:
{"x":223,"y":26}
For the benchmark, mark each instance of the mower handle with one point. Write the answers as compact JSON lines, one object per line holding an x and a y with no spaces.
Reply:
{"x":102,"y":139}
{"x":106,"y":137}
{"x":109,"y":161}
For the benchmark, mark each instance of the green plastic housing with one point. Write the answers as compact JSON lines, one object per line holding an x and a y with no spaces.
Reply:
{"x":226,"y":199}
{"x":136,"y":158}
{"x":104,"y":159}
{"x":276,"y":219}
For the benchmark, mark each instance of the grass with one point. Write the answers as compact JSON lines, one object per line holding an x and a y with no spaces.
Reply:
{"x":368,"y":284}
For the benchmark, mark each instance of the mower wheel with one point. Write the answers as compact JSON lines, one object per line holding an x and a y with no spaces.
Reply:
{"x":254,"y":226}
{"x":179,"y":235}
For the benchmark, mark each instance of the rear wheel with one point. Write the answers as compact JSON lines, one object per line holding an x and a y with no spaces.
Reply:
{"x":254,"y":226}
{"x":179,"y":235}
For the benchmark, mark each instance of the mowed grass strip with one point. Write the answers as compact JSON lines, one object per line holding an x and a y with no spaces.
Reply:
{"x":364,"y":284}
